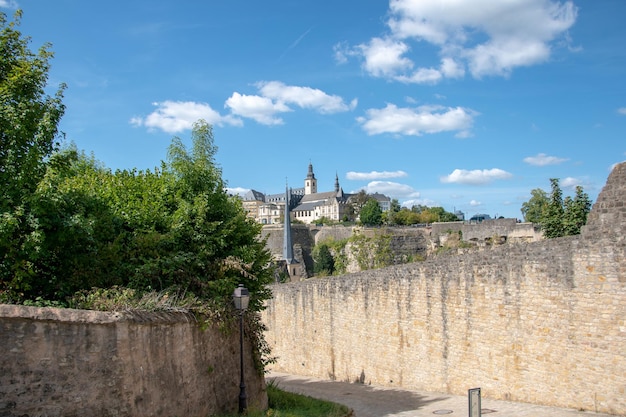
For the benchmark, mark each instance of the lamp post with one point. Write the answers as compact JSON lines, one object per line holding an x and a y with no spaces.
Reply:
{"x":241,"y":297}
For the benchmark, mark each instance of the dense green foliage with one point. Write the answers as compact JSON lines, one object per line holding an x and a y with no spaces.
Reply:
{"x":557,"y":216}
{"x":174,"y":228}
{"x":323,"y":262}
{"x":533,"y":209}
{"x":371,"y":214}
{"x":420,"y":214}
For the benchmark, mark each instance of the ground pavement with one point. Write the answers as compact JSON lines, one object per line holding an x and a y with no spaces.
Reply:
{"x":371,"y":401}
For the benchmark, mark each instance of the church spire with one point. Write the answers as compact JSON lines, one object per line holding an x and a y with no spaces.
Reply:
{"x":287,"y":246}
{"x":336,"y":183}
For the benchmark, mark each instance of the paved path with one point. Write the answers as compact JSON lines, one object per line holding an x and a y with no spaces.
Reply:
{"x":371,"y":401}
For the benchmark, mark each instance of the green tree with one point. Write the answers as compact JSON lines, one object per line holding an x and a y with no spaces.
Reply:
{"x":324,"y":264}
{"x":28,"y":117}
{"x":28,"y":135}
{"x":215,"y":245}
{"x":552,"y":221}
{"x":533,"y":209}
{"x":371,"y":214}
{"x":406,"y":217}
{"x":557,"y":216}
{"x":442,"y":215}
{"x":576,"y":211}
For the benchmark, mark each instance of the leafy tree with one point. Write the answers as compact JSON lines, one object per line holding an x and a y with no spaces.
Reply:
{"x":28,"y":133}
{"x":28,"y":117}
{"x":533,"y":210}
{"x":552,"y":221}
{"x":576,"y":211}
{"x":406,"y":217}
{"x":324,"y":264}
{"x":442,"y":215}
{"x":214,"y":246}
{"x":371,"y":214}
{"x":557,"y":216}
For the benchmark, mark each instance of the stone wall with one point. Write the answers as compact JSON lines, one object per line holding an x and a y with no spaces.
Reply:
{"x":541,"y":322}
{"x":62,"y":362}
{"x":505,"y":230}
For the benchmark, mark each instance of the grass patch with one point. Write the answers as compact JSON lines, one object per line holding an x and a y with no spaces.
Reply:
{"x":288,"y":404}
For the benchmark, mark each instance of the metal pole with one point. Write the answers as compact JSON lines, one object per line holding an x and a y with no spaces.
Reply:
{"x":243,"y":400}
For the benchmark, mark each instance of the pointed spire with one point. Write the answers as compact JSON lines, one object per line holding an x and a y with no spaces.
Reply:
{"x":310,"y":174}
{"x":287,"y":246}
{"x":336,"y":183}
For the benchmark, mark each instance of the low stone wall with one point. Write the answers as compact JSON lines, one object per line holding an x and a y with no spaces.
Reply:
{"x":63,"y":362}
{"x":542,"y":322}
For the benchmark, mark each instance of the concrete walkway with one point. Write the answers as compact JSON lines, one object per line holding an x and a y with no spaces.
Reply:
{"x":371,"y":401}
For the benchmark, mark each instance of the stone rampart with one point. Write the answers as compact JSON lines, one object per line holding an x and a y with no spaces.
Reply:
{"x":541,"y":322}
{"x":504,"y":230}
{"x":63,"y":362}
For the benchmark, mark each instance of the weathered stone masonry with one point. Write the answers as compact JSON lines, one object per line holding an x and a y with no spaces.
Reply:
{"x":62,"y":362}
{"x":541,"y":322}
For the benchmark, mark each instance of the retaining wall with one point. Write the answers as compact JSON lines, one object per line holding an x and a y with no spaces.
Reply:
{"x":541,"y":322}
{"x":63,"y":362}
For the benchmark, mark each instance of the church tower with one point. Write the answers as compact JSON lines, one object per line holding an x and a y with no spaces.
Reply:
{"x":310,"y":183}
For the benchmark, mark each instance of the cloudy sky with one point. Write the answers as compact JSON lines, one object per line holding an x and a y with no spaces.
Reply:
{"x":464,"y":104}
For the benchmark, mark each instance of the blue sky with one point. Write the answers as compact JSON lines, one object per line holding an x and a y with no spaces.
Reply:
{"x":464,"y":104}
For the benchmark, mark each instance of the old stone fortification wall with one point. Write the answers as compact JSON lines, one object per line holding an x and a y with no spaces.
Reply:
{"x":505,"y":230}
{"x":541,"y":322}
{"x":62,"y":362}
{"x":406,"y":242}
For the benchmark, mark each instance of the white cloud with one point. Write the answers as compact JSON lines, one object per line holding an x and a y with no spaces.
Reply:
{"x":422,"y":76}
{"x":417,"y":121}
{"x":383,"y":57}
{"x":391,"y":189}
{"x":177,"y":116}
{"x":261,"y":109}
{"x":542,"y":159}
{"x":475,"y":203}
{"x":622,"y":110}
{"x":488,"y":37}
{"x":305,"y":97}
{"x":418,"y":202}
{"x":374,"y":175}
{"x":476,"y":177}
{"x":451,"y":68}
{"x":571,"y":183}
{"x":240,"y":191}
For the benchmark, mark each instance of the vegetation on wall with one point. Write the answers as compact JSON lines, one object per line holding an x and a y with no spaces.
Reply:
{"x":333,"y":257}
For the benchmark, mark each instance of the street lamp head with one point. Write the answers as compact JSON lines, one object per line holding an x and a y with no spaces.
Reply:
{"x":241,"y":297}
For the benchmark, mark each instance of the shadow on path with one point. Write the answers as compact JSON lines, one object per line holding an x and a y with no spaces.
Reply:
{"x":365,"y":400}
